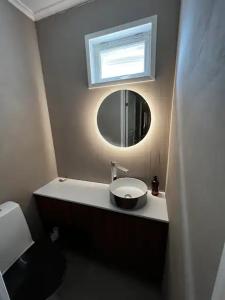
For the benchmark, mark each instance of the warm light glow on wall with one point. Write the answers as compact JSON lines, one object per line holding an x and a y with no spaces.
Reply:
{"x":99,"y":141}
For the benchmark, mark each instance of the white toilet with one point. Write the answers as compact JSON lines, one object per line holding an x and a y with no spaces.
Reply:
{"x":28,"y":270}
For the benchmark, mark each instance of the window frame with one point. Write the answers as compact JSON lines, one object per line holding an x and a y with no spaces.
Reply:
{"x":94,"y":71}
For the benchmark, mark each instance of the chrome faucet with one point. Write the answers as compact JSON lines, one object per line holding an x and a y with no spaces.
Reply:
{"x":115,"y":166}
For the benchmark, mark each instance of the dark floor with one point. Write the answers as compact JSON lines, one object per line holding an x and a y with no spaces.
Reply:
{"x":88,"y":279}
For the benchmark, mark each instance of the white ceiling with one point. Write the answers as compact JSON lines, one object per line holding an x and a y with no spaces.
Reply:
{"x":39,"y":9}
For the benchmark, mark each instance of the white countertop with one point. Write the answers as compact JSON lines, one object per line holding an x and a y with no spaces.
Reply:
{"x":97,"y":195}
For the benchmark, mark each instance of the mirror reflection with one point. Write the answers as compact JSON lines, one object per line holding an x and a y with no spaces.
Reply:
{"x":124,"y":118}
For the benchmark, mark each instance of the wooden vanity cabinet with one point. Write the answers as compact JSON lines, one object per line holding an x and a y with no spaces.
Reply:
{"x":135,"y":243}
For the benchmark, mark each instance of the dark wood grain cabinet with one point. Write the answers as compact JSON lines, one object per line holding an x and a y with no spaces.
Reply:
{"x":131,"y":242}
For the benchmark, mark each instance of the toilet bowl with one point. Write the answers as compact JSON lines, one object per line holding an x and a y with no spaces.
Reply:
{"x":28,"y":270}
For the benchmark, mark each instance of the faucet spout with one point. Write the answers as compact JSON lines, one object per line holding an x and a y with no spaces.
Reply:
{"x":115,"y":166}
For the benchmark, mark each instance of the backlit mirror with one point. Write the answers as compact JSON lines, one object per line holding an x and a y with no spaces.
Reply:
{"x":124,"y":118}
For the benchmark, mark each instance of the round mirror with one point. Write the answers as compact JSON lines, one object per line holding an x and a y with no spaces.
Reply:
{"x":124,"y":118}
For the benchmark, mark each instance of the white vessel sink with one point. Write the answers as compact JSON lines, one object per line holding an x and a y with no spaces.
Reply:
{"x":128,"y":193}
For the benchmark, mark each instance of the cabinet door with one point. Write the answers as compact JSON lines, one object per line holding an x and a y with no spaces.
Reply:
{"x":54,"y":212}
{"x":132,"y":242}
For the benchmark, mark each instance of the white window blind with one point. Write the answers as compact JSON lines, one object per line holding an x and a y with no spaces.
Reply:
{"x":123,"y":60}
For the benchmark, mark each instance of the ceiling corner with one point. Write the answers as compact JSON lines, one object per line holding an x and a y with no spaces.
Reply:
{"x":23,"y":8}
{"x":37,"y":10}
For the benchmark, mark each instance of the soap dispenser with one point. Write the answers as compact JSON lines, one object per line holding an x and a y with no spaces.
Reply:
{"x":155,"y":186}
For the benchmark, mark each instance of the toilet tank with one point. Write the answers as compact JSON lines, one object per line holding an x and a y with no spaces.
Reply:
{"x":15,"y":236}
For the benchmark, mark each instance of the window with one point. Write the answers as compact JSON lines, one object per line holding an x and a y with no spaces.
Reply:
{"x":122,"y":54}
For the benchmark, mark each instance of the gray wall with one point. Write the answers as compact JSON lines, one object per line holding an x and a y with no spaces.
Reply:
{"x":196,"y":172}
{"x":80,"y":151}
{"x":26,"y":153}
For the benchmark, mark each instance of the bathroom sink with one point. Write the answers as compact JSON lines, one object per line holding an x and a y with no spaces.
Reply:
{"x":128,"y":193}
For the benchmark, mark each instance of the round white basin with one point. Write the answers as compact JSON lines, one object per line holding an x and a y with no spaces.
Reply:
{"x":128,"y":193}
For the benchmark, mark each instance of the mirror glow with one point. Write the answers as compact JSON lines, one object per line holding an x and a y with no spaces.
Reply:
{"x":124,"y":118}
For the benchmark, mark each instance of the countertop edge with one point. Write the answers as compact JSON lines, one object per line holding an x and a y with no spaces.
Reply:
{"x":115,"y":210}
